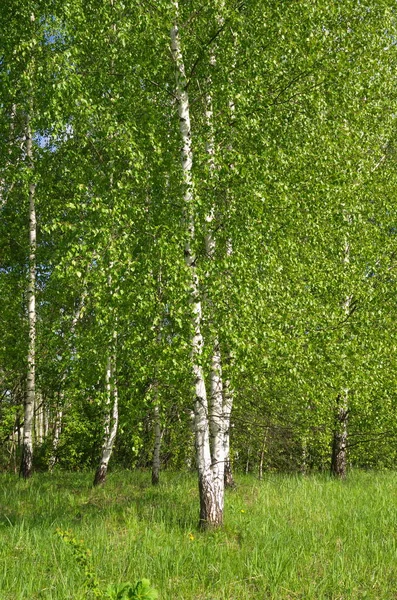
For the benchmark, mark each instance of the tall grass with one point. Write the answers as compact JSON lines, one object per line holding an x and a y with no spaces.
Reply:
{"x":284,"y":538}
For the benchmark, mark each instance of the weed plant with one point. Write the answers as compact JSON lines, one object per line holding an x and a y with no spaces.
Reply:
{"x":284,"y":537}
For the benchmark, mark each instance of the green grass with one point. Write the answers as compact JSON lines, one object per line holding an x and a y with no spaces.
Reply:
{"x":284,"y":538}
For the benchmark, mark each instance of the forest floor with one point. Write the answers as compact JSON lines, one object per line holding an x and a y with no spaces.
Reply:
{"x":286,"y":537}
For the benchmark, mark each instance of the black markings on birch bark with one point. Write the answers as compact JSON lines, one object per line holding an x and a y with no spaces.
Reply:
{"x":210,"y":488}
{"x":112,"y":414}
{"x":27,"y":446}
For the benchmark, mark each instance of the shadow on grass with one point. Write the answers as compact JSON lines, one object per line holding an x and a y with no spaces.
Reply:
{"x":68,"y":499}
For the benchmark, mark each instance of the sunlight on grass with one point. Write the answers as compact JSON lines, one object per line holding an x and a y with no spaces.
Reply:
{"x":284,"y":537}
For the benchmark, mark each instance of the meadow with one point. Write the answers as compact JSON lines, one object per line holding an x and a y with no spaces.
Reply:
{"x":285,"y":537}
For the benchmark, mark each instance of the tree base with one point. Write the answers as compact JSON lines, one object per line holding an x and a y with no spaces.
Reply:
{"x":100,"y":475}
{"x":211,"y":505}
{"x":26,"y":469}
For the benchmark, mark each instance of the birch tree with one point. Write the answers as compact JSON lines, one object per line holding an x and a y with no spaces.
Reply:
{"x":209,"y":425}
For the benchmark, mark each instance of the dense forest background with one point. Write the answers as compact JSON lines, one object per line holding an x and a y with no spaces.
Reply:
{"x":142,"y":296}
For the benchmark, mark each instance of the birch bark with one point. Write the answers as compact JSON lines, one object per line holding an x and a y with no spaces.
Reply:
{"x":339,"y":442}
{"x":157,"y":446}
{"x":211,"y":489}
{"x":221,"y":394}
{"x":111,"y":418}
{"x":27,"y":446}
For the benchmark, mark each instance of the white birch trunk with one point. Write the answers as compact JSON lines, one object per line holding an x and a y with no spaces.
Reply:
{"x":210,"y":488}
{"x":217,"y":417}
{"x":39,"y":420}
{"x":221,"y":396}
{"x":27,"y":447}
{"x":339,"y":443}
{"x":303,"y":468}
{"x":112,"y":416}
{"x":45,"y":422}
{"x":39,"y":426}
{"x":57,"y":435}
{"x":227,"y":410}
{"x":157,"y":446}
{"x":263,"y":454}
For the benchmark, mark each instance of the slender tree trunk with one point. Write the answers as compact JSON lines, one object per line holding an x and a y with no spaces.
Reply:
{"x":19,"y":432}
{"x":339,"y":443}
{"x":262,"y":456}
{"x":247,"y":464}
{"x":13,"y":449}
{"x":157,"y":445}
{"x":27,"y":448}
{"x":57,"y":434}
{"x":39,"y":423}
{"x":221,"y":399}
{"x":217,"y":421}
{"x":227,"y":410}
{"x":112,"y":417}
{"x":45,"y":422}
{"x":303,"y":468}
{"x":211,"y":484}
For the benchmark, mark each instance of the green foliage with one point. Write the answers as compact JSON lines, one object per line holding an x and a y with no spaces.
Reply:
{"x":304,"y":138}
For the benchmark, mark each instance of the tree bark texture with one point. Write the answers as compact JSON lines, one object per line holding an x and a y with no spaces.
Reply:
{"x":111,"y":419}
{"x":339,"y":443}
{"x":211,"y":487}
{"x":157,"y":446}
{"x":27,"y":446}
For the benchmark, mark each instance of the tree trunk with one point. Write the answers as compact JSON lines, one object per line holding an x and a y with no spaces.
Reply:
{"x":211,"y":488}
{"x":57,"y":435}
{"x":303,"y":468}
{"x":112,"y":417}
{"x":157,"y":446}
{"x":39,"y":423}
{"x":45,"y":422}
{"x":221,"y":403}
{"x":227,"y":409}
{"x":211,"y":493}
{"x":262,"y":456}
{"x":339,"y":443}
{"x":247,"y":464}
{"x":27,"y":447}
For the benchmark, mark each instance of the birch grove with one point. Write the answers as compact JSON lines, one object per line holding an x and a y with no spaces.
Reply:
{"x":216,"y":149}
